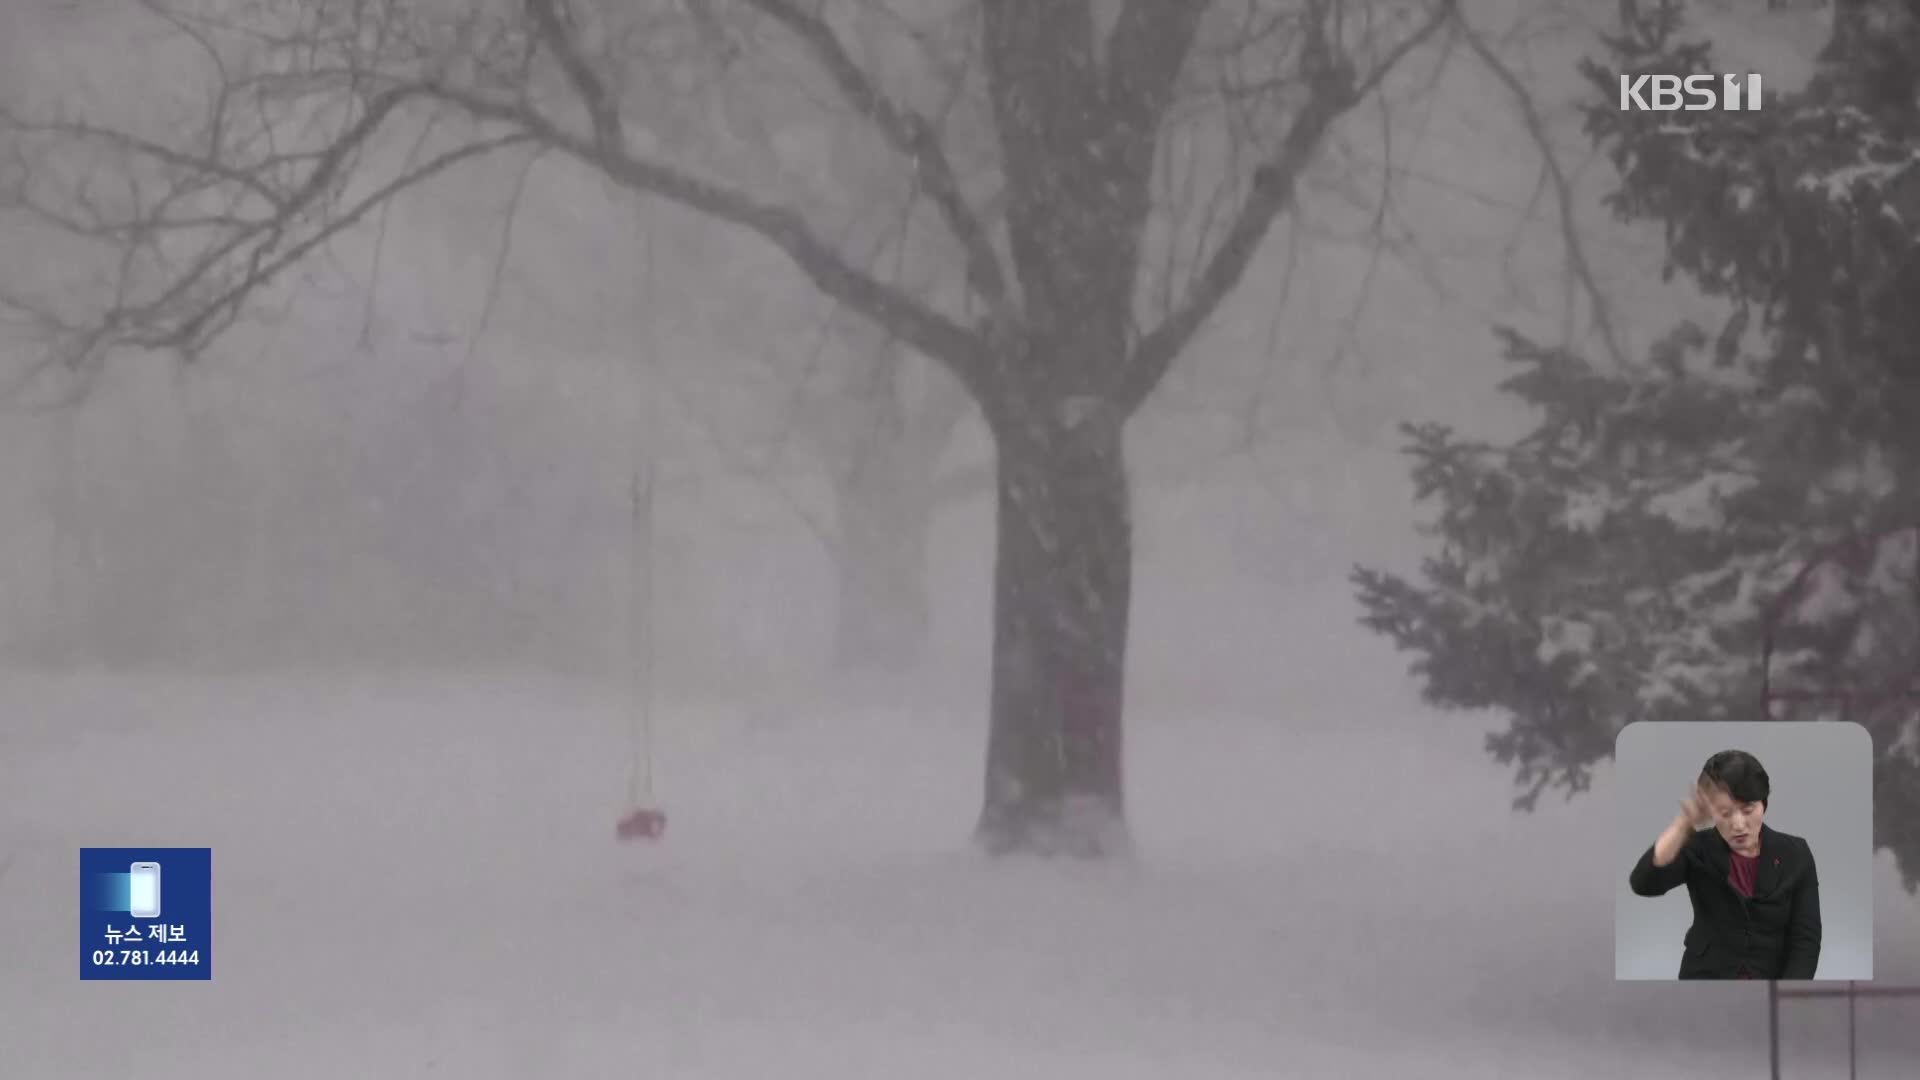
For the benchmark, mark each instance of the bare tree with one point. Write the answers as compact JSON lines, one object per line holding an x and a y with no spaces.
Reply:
{"x":1066,"y":326}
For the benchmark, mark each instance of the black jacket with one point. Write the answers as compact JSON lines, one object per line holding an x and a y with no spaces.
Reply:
{"x":1775,"y":935}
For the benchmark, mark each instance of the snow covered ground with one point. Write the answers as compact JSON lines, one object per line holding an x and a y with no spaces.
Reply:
{"x":417,"y":878}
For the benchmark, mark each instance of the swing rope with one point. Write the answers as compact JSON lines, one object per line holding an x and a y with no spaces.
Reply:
{"x":644,"y":820}
{"x":640,"y":627}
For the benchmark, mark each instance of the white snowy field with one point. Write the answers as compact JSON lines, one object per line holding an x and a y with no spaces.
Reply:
{"x":418,"y":879}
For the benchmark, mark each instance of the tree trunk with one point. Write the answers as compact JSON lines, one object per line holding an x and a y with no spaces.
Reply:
{"x":883,"y":613}
{"x":1062,"y":588}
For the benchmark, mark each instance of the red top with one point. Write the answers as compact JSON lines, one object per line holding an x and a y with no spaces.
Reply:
{"x":1742,"y":873}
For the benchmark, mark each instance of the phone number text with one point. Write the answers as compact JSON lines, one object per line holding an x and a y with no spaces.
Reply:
{"x":139,"y":957}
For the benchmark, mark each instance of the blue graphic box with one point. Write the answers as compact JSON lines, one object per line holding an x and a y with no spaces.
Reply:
{"x":146,"y":913}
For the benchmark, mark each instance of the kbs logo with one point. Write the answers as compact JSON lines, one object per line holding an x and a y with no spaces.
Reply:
{"x":1664,"y":93}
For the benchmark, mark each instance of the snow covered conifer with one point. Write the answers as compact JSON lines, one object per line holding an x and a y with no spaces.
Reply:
{"x":1615,"y":563}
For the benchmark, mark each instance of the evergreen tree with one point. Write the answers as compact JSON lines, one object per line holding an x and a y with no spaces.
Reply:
{"x":1623,"y":560}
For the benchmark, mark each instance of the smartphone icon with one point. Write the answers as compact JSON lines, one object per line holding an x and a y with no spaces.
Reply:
{"x":143,"y":890}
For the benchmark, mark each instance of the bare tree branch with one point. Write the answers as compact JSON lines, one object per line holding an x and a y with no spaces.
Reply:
{"x":914,"y":137}
{"x":932,"y":333}
{"x":1146,"y":49}
{"x":195,"y":165}
{"x":1332,"y":93}
{"x":603,"y":112}
{"x":377,"y":260}
{"x":496,"y":277}
{"x":208,"y":294}
{"x":263,"y":266}
{"x":209,"y":291}
{"x":1577,"y":262}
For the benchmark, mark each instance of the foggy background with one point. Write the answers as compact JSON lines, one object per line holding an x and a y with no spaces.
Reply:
{"x":354,"y":598}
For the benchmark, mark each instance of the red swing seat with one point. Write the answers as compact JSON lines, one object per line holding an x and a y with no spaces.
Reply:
{"x":645,"y":823}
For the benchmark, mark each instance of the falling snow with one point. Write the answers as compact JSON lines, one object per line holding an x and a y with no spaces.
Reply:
{"x":366,"y":598}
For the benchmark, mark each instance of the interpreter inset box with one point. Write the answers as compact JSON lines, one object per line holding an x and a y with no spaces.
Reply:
{"x":1743,"y":850}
